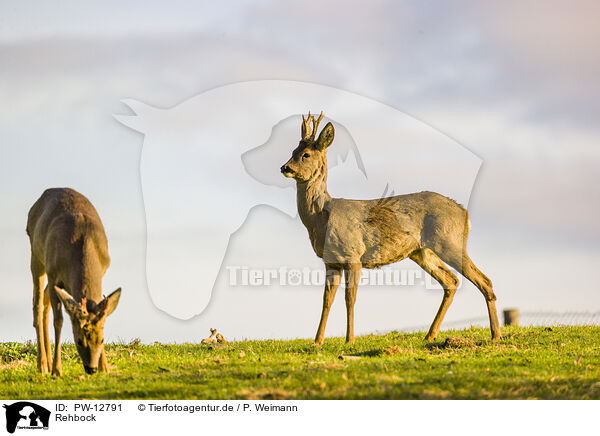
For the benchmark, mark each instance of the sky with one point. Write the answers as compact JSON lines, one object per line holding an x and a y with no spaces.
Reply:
{"x":515,"y":83}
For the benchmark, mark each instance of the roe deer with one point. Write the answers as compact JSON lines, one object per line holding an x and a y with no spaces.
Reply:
{"x":68,"y":245}
{"x":350,"y":235}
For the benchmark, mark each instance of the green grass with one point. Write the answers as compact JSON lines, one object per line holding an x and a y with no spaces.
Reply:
{"x":550,"y":363}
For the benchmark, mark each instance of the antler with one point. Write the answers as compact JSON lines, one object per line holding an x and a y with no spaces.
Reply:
{"x":308,"y":131}
{"x":316,"y":124}
{"x":306,"y":128}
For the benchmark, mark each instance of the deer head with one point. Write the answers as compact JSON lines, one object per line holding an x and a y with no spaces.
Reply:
{"x":309,"y":158}
{"x":88,"y":318}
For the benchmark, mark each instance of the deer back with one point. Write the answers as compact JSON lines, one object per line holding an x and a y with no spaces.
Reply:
{"x":68,"y":238}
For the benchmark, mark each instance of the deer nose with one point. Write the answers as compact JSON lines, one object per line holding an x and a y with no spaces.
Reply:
{"x":286,"y":169}
{"x":90,"y":370}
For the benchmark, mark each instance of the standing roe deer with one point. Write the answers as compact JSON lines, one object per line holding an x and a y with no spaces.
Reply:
{"x":69,"y":246}
{"x":350,"y":235}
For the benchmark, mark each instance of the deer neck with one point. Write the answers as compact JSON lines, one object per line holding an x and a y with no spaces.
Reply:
{"x":86,"y":278}
{"x":313,"y":198}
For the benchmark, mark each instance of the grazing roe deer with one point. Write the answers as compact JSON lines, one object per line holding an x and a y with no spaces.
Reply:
{"x":349,"y":235}
{"x":68,"y":245}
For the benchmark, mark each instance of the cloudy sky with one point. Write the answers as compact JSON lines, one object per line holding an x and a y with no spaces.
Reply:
{"x":517,"y":84}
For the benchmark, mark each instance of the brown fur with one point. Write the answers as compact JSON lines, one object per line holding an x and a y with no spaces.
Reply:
{"x":349,"y":235}
{"x":69,"y":247}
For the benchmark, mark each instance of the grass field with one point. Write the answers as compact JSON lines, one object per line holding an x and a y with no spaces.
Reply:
{"x":550,"y":363}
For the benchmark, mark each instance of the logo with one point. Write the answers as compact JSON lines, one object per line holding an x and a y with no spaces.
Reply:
{"x":214,"y":196}
{"x":26,"y":415}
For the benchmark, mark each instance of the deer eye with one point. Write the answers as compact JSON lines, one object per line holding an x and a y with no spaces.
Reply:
{"x":305,"y":155}
{"x":80,"y":342}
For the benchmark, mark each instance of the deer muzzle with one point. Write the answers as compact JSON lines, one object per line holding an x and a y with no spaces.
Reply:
{"x":287,"y":171}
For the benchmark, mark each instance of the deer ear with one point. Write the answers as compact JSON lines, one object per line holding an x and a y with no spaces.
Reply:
{"x":69,"y":302}
{"x":111,"y":302}
{"x":326,"y":137}
{"x":107,"y":306}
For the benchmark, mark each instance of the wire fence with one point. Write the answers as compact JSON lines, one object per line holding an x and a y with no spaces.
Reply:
{"x":527,"y":319}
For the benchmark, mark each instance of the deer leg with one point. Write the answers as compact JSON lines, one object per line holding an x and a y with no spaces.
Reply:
{"x":471,"y":272}
{"x":46,"y":321}
{"x":58,"y":322}
{"x":332,"y":281}
{"x":103,"y":364}
{"x":352,"y":275}
{"x":38,"y":274}
{"x":431,"y":263}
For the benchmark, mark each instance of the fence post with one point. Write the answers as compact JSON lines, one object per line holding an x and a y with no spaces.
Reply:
{"x":511,"y":317}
